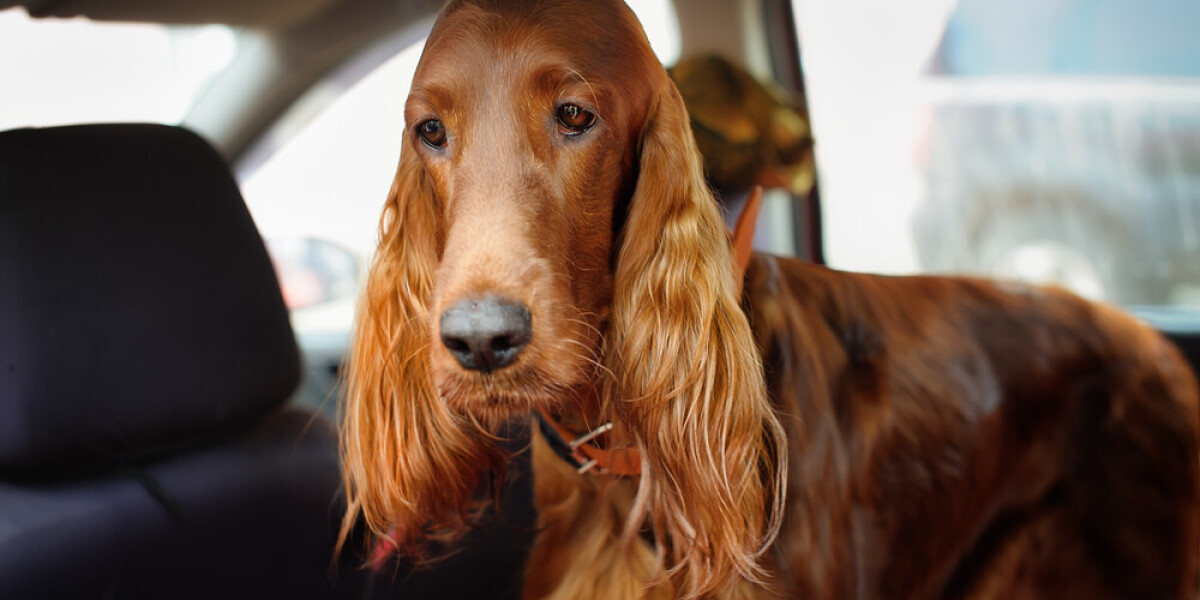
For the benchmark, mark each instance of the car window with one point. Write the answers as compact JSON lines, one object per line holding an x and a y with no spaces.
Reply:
{"x":66,"y":71}
{"x":320,"y":175}
{"x":1046,"y":140}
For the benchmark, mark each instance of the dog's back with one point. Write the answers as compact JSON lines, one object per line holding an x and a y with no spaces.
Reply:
{"x":954,"y":438}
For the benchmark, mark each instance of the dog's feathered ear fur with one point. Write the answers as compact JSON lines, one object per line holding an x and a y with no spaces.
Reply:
{"x":688,"y":377}
{"x":410,"y":464}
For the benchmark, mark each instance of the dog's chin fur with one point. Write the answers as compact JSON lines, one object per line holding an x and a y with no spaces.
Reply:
{"x":493,"y":398}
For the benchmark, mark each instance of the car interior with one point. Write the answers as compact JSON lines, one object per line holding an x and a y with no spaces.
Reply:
{"x":190,"y":192}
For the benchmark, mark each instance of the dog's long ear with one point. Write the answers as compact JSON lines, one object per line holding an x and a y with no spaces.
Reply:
{"x":410,"y":465}
{"x":689,"y":384}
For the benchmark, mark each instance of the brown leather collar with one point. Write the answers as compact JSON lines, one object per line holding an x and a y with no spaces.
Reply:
{"x":578,"y":450}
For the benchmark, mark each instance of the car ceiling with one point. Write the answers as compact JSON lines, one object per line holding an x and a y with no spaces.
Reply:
{"x":249,"y":13}
{"x":293,"y":42}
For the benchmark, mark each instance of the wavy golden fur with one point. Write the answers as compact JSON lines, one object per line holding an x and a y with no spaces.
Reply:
{"x":549,"y":244}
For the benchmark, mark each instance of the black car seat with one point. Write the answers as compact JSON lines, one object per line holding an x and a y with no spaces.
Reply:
{"x":146,"y":361}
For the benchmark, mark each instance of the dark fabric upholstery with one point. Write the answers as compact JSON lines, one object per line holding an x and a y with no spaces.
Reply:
{"x":251,"y":518}
{"x":1188,"y":343}
{"x":138,"y":308}
{"x":145,"y":360}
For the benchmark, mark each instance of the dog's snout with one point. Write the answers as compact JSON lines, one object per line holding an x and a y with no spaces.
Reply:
{"x":486,"y":334}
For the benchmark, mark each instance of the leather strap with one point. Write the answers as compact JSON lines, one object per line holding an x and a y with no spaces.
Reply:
{"x":743,"y":236}
{"x":585,"y":456}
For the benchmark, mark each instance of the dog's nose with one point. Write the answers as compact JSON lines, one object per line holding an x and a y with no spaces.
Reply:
{"x":485,"y":334}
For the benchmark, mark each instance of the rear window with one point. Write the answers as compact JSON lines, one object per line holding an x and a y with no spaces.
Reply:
{"x":67,"y":71}
{"x":1054,"y":141}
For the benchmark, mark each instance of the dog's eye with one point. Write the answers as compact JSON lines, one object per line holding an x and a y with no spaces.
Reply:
{"x":573,"y":120}
{"x":433,"y":133}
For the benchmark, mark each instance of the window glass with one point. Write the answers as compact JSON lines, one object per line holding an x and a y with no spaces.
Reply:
{"x":1046,"y":140}
{"x":321,"y":177}
{"x":64,"y":71}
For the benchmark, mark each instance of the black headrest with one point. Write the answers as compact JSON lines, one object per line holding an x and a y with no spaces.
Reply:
{"x":139,"y":311}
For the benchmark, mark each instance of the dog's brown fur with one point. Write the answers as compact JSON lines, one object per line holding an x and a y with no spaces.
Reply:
{"x":946,"y":437}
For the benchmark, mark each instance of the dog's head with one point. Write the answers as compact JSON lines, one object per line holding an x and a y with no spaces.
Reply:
{"x":549,"y":238}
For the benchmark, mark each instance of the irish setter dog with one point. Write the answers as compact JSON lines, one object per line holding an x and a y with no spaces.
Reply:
{"x":550,"y":248}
